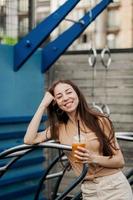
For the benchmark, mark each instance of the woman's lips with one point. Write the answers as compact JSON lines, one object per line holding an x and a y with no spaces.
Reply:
{"x":68,"y":104}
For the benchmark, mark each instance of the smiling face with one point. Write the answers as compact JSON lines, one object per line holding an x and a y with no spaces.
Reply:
{"x":66,"y":97}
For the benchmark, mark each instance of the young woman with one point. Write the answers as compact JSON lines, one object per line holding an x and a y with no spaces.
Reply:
{"x":66,"y":108}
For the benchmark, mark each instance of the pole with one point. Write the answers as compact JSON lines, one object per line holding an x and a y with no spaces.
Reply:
{"x":32,"y":14}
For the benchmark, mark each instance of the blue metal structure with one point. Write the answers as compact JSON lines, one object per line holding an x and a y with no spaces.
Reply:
{"x":25,"y":48}
{"x":21,"y":180}
{"x":56,"y":48}
{"x":21,"y":93}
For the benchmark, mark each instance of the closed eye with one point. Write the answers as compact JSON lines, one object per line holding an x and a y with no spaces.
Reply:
{"x":68,"y":92}
{"x":58,"y":97}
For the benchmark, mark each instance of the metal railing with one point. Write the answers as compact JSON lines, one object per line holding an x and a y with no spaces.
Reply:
{"x":127,"y":136}
{"x":17,"y":152}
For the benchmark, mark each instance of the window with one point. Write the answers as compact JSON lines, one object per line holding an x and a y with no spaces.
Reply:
{"x":2,"y":3}
{"x":84,"y":38}
{"x":23,"y":5}
{"x":113,"y":18}
{"x":111,"y":40}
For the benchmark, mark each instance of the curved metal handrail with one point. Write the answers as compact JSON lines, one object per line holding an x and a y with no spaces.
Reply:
{"x":127,"y":136}
{"x":56,"y":159}
{"x":75,"y":183}
{"x":19,"y":151}
{"x":4,"y":168}
{"x":15,"y":153}
{"x":20,"y":148}
{"x":78,"y":196}
{"x":57,"y":184}
{"x":129,"y":173}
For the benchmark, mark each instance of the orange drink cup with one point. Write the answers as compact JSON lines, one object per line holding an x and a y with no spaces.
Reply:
{"x":77,"y":142}
{"x":76,"y":145}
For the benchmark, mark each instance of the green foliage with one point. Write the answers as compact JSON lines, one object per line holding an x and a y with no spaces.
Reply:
{"x":9,"y":40}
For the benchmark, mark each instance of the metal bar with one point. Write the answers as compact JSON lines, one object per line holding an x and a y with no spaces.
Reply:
{"x":41,"y":145}
{"x":27,"y":46}
{"x":32,"y":14}
{"x":26,"y":148}
{"x":55,"y":190}
{"x":75,"y":183}
{"x":57,"y":47}
{"x":77,"y":196}
{"x":18,"y":153}
{"x":45,"y":174}
{"x":131,"y":181}
{"x":54,"y":175}
{"x":11,"y":162}
{"x":129,"y":173}
{"x":127,"y":136}
{"x":44,"y":145}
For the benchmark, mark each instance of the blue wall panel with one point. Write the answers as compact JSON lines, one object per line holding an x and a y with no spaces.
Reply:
{"x":20,"y":94}
{"x":20,"y":91}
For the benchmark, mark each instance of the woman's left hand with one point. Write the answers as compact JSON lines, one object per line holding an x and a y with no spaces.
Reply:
{"x":84,"y":155}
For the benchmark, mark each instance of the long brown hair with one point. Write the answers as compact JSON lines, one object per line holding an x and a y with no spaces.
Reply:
{"x":92,"y":119}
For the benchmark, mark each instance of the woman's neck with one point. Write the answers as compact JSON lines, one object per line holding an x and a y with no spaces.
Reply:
{"x":74,"y":118}
{"x":74,"y":122}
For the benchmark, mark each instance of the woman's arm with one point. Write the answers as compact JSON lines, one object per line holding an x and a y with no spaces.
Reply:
{"x":116,"y":161}
{"x":32,"y":136}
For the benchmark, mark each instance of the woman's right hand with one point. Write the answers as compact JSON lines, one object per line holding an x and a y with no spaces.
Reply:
{"x":47,"y":99}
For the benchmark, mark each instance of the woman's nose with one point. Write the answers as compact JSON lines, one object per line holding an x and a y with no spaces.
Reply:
{"x":65,"y":97}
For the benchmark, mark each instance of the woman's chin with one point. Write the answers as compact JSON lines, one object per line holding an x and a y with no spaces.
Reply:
{"x":71,"y":110}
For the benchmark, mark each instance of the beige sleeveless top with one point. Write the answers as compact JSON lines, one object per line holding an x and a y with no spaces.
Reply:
{"x":66,"y":133}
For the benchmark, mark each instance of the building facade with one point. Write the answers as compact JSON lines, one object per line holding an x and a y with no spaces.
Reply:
{"x":18,"y":17}
{"x":113,"y":28}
